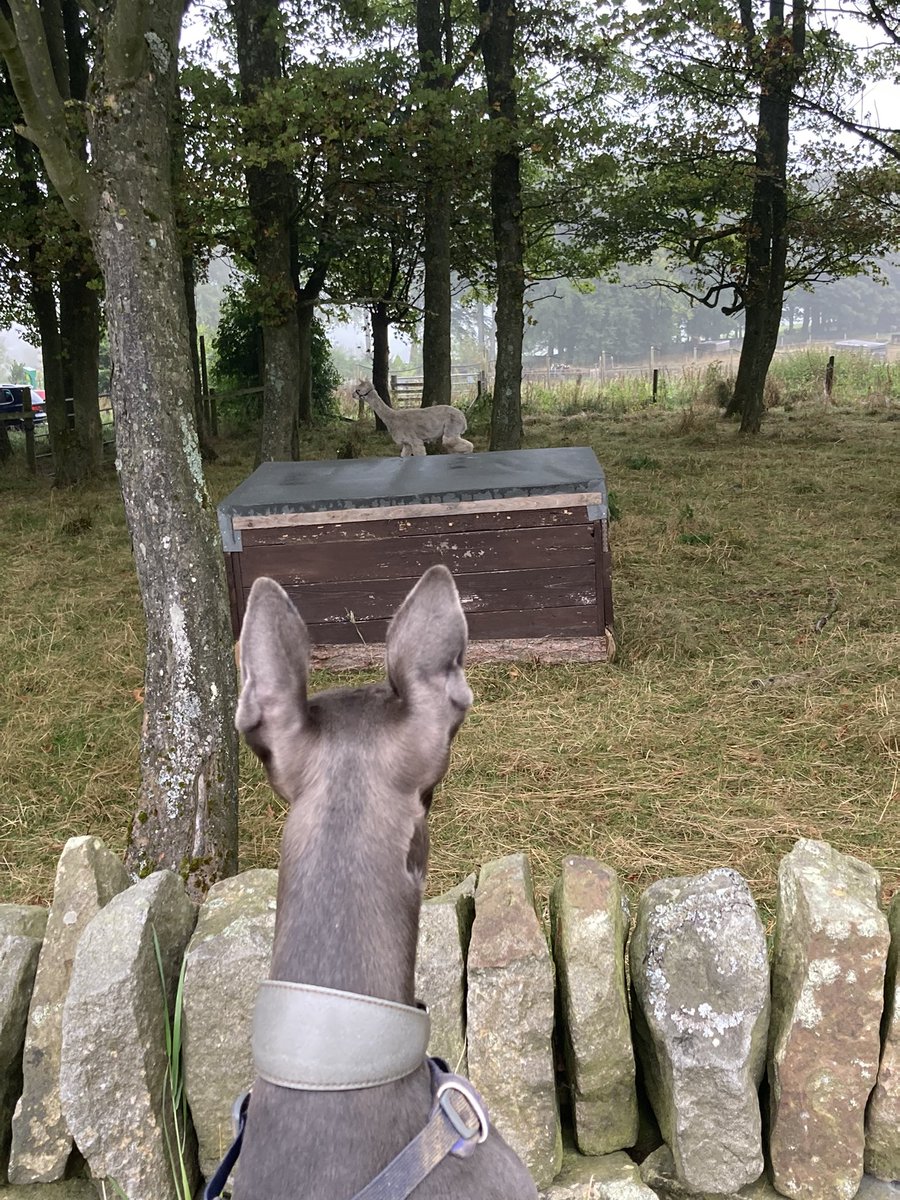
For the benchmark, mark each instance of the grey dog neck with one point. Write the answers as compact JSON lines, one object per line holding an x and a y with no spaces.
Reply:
{"x":324,"y":1040}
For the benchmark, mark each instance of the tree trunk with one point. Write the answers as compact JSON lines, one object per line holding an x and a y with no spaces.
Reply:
{"x":305,"y":315}
{"x":270,"y":191}
{"x":436,"y":355}
{"x":307,"y":295}
{"x":506,"y":217}
{"x":767,"y":241}
{"x":187,"y":815}
{"x":62,"y":440}
{"x":79,"y":323}
{"x":187,"y":811}
{"x":381,"y":361}
{"x":200,"y":414}
{"x":68,"y":465}
{"x":760,"y":339}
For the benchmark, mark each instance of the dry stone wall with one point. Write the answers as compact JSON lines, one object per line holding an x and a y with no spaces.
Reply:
{"x":586,"y":1034}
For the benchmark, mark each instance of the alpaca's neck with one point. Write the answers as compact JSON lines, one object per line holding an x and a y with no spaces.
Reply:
{"x":375,"y":401}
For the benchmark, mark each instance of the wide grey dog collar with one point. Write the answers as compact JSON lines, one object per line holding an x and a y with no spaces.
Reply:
{"x":323,"y":1040}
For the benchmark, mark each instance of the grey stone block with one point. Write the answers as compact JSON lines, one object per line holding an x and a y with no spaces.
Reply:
{"x":23,"y":920}
{"x":883,"y":1115}
{"x":18,"y":964}
{"x":701,"y":981}
{"x":87,"y":877}
{"x":445,"y":927}
{"x":510,"y":1011}
{"x":114,"y":1066}
{"x":589,"y":922}
{"x":658,"y":1172}
{"x":827,"y":997}
{"x":64,"y":1189}
{"x":603,"y":1177}
{"x":227,"y":959}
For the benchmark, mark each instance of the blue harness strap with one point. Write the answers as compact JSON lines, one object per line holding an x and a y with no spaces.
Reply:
{"x":226,"y":1166}
{"x":458,"y":1122}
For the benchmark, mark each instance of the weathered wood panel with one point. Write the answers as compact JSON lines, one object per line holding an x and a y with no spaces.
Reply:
{"x":407,"y":558}
{"x":465,"y":522}
{"x":544,"y":650}
{"x":401,"y":511}
{"x":558,"y":622}
{"x":236,"y":595}
{"x":487,"y":591}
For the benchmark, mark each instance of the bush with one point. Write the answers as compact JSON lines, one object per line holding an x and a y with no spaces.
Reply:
{"x":238,"y":349}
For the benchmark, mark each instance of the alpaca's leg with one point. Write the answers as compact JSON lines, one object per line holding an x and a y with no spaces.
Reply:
{"x":456,"y":445}
{"x":417,"y":447}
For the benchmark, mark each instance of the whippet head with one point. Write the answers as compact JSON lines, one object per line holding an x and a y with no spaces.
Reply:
{"x":366,"y":758}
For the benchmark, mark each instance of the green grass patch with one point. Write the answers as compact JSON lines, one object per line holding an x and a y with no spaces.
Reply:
{"x":725,"y":729}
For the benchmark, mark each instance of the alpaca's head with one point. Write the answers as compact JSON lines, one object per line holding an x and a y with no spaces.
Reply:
{"x":363,"y":390}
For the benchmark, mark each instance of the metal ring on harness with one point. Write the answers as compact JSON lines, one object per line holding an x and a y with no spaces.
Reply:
{"x":455,"y":1117}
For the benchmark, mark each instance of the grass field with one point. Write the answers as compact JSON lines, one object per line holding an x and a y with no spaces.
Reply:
{"x":725,"y":729}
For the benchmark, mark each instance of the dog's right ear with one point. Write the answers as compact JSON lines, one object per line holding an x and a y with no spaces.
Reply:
{"x":272,"y":708}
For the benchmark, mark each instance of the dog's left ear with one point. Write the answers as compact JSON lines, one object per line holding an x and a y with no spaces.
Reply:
{"x":274,"y":655}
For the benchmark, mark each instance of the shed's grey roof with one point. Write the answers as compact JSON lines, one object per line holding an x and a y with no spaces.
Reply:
{"x":287,"y":487}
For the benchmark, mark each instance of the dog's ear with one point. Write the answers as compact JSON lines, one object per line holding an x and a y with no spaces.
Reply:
{"x":274,"y":654}
{"x":426,"y":643}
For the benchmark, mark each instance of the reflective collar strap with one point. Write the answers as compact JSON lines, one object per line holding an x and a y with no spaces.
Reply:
{"x":457,"y":1124}
{"x":324,"y":1040}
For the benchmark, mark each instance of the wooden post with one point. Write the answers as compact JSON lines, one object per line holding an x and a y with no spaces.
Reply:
{"x":28,"y":414}
{"x":655,"y":383}
{"x":829,"y":377}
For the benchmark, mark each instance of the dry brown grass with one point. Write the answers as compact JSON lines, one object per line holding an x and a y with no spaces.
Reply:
{"x":726,"y":728}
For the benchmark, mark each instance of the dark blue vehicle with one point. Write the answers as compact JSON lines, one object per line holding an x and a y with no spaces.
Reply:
{"x":12,"y":405}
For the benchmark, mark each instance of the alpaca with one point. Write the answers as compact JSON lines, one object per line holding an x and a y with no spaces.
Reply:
{"x":411,"y":428}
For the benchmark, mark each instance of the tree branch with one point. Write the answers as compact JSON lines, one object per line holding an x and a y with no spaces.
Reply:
{"x":24,"y":48}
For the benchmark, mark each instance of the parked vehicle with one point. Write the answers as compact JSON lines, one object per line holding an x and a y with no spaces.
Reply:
{"x":12,"y":405}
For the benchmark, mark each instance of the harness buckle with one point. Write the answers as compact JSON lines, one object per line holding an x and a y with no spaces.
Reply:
{"x":467,"y":1132}
{"x":239,"y":1112}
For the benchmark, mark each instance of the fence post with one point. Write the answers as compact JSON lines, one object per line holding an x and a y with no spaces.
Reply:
{"x":655,"y":383}
{"x":829,"y":377}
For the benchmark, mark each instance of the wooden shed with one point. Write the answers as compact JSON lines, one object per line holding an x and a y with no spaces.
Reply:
{"x":524,"y":532}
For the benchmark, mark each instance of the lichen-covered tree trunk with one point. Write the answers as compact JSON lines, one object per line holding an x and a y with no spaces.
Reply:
{"x":498,"y":48}
{"x":187,"y":810}
{"x":187,"y":814}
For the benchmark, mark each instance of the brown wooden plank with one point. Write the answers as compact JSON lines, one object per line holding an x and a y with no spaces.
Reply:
{"x":546,"y":622}
{"x":543,"y":650}
{"x":604,"y":574}
{"x":235,"y":591}
{"x":407,"y":558}
{"x":340,"y":516}
{"x":485,"y":591}
{"x":306,"y":535}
